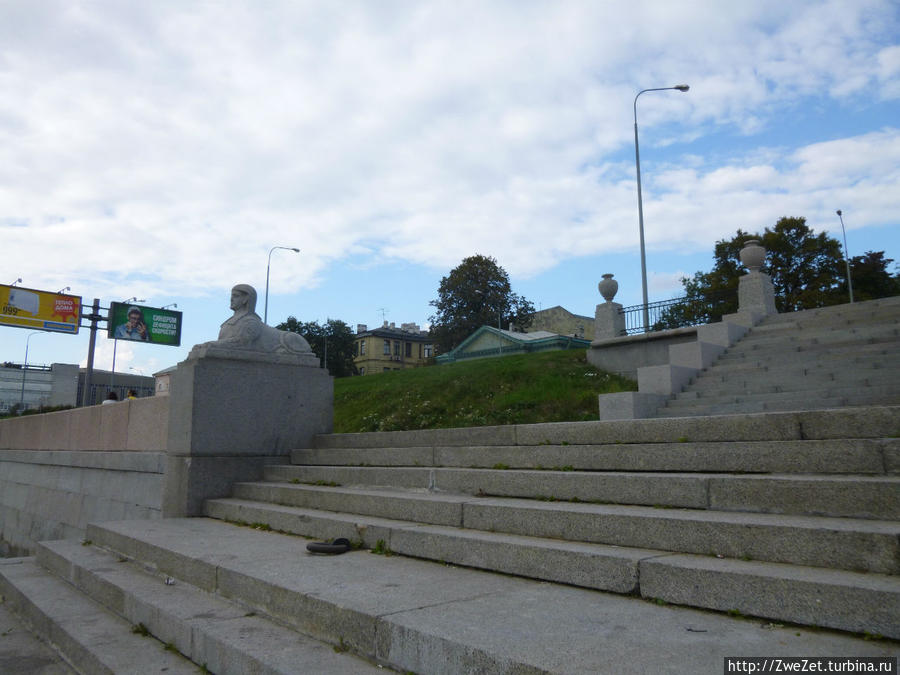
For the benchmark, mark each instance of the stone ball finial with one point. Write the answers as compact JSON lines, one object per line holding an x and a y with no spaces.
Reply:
{"x":608,"y":287}
{"x":753,"y":255}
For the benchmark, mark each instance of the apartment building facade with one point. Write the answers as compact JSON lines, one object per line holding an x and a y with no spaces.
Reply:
{"x":389,"y":348}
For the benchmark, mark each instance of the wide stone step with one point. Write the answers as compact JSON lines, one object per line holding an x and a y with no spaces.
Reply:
{"x":597,"y":566}
{"x":787,"y":324}
{"x":88,"y":636}
{"x":830,"y":337}
{"x":797,"y":403}
{"x":653,"y":574}
{"x":789,"y":353}
{"x":839,"y":543}
{"x":868,"y":422}
{"x":776,"y":379}
{"x":785,"y":368}
{"x":763,"y":387}
{"x":423,"y":617}
{"x":808,"y":392}
{"x":214,"y":633}
{"x":860,"y":312}
{"x":836,"y":496}
{"x":857,"y":456}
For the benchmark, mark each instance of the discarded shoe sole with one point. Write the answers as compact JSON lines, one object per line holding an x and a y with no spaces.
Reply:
{"x":332,"y":548}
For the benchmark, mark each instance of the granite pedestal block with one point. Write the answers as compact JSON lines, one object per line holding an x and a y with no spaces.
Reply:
{"x":232,"y":412}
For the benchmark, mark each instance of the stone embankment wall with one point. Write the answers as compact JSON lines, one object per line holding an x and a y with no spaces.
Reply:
{"x":60,"y":471}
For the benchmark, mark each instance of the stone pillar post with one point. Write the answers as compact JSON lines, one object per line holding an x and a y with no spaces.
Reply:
{"x":233,"y":412}
{"x":609,"y":322}
{"x":756,"y":294}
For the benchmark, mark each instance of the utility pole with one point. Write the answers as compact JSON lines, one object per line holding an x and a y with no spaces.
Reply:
{"x":94,"y":318}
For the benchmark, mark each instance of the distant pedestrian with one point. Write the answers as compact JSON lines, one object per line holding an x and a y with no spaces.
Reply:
{"x":132,"y":394}
{"x":111,"y":397}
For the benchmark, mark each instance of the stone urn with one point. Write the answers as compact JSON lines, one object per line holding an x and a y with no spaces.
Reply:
{"x":608,"y":287}
{"x":753,"y":255}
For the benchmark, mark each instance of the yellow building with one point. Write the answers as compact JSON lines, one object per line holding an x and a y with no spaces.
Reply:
{"x":388,"y":348}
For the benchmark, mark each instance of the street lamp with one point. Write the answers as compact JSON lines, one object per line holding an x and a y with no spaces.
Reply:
{"x":25,"y":368}
{"x":637,"y":161}
{"x":269,"y":264}
{"x":846,"y":259}
{"x":17,"y":281}
{"x":63,"y":290}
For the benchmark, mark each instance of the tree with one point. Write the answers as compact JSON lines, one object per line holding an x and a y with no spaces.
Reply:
{"x":807,"y":271}
{"x":476,"y":293}
{"x":871,"y":278}
{"x":335,"y":337}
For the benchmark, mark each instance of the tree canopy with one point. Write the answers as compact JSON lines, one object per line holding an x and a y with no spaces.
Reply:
{"x":871,"y":278}
{"x":335,"y":337}
{"x":807,"y":271}
{"x":476,"y":293}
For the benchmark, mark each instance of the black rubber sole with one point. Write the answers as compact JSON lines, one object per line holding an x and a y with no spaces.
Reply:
{"x":329,"y":548}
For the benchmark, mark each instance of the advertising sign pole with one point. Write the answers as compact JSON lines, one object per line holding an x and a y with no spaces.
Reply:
{"x":93,"y":317}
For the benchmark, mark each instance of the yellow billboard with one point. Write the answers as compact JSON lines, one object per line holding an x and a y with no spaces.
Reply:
{"x":40,"y":310}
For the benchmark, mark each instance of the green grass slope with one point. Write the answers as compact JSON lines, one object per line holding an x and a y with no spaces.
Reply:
{"x":555,"y":386}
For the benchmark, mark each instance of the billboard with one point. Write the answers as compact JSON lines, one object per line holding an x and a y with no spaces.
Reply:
{"x":144,"y":324}
{"x":40,"y":310}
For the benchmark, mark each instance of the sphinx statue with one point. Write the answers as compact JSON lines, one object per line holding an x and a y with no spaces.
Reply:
{"x":244,"y":334}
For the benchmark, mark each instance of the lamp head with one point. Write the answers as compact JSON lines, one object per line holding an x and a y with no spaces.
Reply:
{"x":838,"y":212}
{"x":681,"y":87}
{"x":295,"y":250}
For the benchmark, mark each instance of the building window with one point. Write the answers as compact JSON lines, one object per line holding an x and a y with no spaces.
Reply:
{"x":396,"y":348}
{"x":409,"y":349}
{"x":387,"y":347}
{"x":356,"y":349}
{"x":362,"y":371}
{"x":362,"y":347}
{"x":429,"y":351}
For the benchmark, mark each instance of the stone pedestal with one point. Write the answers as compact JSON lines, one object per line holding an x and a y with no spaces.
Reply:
{"x":231,"y":412}
{"x":609,"y":322}
{"x":756,"y":294}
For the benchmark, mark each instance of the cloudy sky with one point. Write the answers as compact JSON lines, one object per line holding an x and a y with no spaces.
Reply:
{"x":161,"y":149}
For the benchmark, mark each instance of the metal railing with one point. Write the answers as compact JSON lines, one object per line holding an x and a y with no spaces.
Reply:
{"x":683,"y":311}
{"x":634,"y":315}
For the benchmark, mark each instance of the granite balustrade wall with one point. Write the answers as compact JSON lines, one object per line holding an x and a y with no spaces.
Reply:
{"x":60,"y":471}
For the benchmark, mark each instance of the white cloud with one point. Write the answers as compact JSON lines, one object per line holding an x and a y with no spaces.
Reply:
{"x":163,"y":148}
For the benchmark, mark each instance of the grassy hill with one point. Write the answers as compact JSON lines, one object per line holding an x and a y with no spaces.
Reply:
{"x":556,"y":386}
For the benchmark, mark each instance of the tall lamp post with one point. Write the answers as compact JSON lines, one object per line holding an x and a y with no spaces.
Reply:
{"x":268,"y":265}
{"x":846,"y":259}
{"x":637,"y":161}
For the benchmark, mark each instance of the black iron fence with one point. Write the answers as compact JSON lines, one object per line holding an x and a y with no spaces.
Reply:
{"x":634,"y":315}
{"x":677,"y":312}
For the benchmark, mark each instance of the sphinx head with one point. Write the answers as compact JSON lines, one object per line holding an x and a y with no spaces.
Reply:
{"x":243,"y":298}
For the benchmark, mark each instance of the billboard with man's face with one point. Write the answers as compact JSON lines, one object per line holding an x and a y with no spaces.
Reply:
{"x":41,"y":310}
{"x":144,"y":324}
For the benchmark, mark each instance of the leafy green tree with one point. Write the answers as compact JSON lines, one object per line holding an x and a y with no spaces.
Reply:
{"x":806,"y":268}
{"x":476,"y":293}
{"x":871,"y":278}
{"x":335,"y":337}
{"x":807,"y":271}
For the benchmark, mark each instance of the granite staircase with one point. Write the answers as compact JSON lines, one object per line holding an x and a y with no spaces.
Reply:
{"x":548,"y":548}
{"x":832,"y":357}
{"x":656,"y":545}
